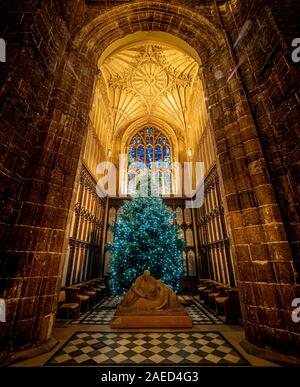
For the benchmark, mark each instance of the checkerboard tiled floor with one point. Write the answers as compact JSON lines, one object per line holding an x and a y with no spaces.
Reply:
{"x":111,"y":302}
{"x":103,"y":314}
{"x":199,"y":313}
{"x":195,"y":348}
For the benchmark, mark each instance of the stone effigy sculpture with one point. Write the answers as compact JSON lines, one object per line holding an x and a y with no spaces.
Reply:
{"x":150,"y":303}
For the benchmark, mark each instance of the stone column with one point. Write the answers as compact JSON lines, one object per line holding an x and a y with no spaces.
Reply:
{"x":37,"y":242}
{"x":262,"y":255}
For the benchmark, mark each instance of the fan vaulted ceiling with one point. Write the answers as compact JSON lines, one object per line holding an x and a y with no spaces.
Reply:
{"x":149,"y":80}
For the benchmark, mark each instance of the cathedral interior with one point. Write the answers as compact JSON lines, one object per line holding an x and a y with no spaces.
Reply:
{"x":85,"y":82}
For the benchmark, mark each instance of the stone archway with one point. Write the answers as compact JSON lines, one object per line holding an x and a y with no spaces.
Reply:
{"x":36,"y":245}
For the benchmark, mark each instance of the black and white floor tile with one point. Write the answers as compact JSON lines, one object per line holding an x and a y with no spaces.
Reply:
{"x":111,"y":302}
{"x":200,"y":314}
{"x":194,"y":348}
{"x":102,"y":314}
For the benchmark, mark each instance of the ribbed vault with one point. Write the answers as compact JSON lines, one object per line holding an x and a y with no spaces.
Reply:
{"x":152,"y":77}
{"x":149,"y":79}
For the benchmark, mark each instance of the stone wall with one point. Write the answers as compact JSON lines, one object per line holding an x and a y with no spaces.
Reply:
{"x":263,"y":162}
{"x":44,"y":116}
{"x":272,"y":84}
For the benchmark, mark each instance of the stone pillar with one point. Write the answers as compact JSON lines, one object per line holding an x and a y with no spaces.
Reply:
{"x":263,"y":260}
{"x":36,"y":245}
{"x":44,"y":106}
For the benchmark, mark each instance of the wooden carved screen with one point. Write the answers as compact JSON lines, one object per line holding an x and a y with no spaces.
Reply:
{"x":183,"y":218}
{"x":215,"y":260}
{"x":84,"y":250}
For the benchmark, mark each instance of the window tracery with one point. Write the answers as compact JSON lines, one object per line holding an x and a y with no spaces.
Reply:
{"x":150,"y":150}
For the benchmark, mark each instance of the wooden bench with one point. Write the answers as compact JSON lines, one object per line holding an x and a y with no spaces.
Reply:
{"x":229,"y":304}
{"x":83,"y":299}
{"x":99,"y":287}
{"x":87,"y":290}
{"x":218,"y":292}
{"x":221,"y":297}
{"x":67,"y":307}
{"x":209,"y":287}
{"x":87,"y":293}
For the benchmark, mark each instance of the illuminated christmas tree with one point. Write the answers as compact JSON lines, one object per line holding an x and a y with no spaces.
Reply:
{"x":145,"y":237}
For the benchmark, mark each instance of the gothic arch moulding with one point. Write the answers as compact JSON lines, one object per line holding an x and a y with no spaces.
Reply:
{"x":192,"y":26}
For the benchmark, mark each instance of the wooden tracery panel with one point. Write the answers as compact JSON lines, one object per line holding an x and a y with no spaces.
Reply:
{"x":83,"y":261}
{"x":215,"y":258}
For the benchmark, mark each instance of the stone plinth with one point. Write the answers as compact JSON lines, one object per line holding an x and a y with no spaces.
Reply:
{"x":152,"y":322}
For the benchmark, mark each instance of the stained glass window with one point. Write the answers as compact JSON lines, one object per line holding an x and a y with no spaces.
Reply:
{"x":151,"y":146}
{"x":132,"y":152}
{"x":158,"y":153}
{"x":141,"y":152}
